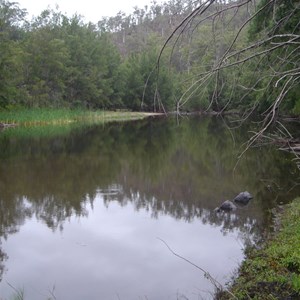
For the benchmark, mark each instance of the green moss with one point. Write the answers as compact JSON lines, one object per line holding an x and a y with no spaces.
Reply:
{"x":273,"y":272}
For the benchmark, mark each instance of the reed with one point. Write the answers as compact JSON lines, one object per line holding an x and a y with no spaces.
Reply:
{"x":46,"y":116}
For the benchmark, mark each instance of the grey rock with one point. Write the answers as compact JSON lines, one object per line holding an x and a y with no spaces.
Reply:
{"x":243,"y":198}
{"x":226,"y":206}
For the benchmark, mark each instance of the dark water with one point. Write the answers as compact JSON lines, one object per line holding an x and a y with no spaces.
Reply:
{"x":82,"y":213}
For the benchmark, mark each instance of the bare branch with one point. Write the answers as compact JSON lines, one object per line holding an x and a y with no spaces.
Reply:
{"x":207,"y":275}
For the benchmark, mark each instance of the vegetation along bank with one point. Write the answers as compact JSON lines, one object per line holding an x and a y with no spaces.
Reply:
{"x":47,"y":116}
{"x":273,"y":271}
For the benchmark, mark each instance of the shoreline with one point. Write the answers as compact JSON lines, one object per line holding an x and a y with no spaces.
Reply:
{"x":273,"y":270}
{"x":38,"y":117}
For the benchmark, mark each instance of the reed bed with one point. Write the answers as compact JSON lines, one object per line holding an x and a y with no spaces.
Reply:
{"x":31,"y":117}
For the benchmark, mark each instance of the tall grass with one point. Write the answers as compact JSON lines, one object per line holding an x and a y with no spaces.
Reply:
{"x":18,"y":292}
{"x":62,"y":116}
{"x":37,"y":116}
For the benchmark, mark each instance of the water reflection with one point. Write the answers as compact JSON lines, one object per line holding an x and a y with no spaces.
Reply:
{"x":157,"y":166}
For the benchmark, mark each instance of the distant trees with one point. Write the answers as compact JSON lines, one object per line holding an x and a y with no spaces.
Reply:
{"x":216,"y":55}
{"x":11,"y":52}
{"x":58,"y":61}
{"x":69,"y":63}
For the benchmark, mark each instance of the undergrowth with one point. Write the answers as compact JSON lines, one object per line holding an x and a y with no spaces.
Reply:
{"x":273,"y":272}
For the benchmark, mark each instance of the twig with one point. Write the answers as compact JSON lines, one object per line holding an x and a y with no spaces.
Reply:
{"x":207,"y":275}
{"x":19,"y":294}
{"x":51,"y":292}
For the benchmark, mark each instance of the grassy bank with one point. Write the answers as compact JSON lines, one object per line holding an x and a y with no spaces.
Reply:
{"x":29,"y":117}
{"x":273,"y":272}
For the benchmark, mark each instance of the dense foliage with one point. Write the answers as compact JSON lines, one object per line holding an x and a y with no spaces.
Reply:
{"x":60,"y":61}
{"x":57,"y":61}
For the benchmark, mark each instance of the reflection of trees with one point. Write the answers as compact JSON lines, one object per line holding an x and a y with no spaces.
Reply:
{"x":13,"y":212}
{"x":183,"y":170}
{"x":58,"y":176}
{"x":198,"y":173}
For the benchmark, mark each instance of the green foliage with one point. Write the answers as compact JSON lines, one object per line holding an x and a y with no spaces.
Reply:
{"x":274,"y":271}
{"x":275,"y":17}
{"x":147,"y":87}
{"x":60,"y":116}
{"x":296,"y":282}
{"x":59,"y":61}
{"x":11,"y":53}
{"x":276,"y":20}
{"x":64,"y":62}
{"x":133,"y":82}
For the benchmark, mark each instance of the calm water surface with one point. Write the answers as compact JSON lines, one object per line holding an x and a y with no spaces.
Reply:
{"x":82,"y":213}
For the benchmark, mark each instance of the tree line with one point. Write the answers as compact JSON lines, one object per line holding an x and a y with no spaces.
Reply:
{"x":216,"y":55}
{"x":60,"y":61}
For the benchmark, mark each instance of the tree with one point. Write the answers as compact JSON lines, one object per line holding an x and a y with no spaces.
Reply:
{"x":144,"y":90}
{"x":93,"y":67}
{"x":46,"y":60}
{"x":10,"y":53}
{"x":264,"y":68}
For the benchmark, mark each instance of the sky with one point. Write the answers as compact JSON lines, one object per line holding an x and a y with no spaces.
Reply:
{"x":91,"y":10}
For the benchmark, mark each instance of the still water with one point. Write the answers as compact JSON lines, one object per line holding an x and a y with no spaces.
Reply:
{"x":83,"y":212}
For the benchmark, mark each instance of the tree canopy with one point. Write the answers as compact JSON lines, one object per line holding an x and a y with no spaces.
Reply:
{"x":180,"y":54}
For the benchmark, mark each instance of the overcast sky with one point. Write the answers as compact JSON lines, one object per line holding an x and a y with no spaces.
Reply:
{"x":92,"y":10}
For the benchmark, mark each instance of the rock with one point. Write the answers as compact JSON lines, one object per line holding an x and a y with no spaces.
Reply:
{"x":243,"y":198}
{"x":226,"y":206}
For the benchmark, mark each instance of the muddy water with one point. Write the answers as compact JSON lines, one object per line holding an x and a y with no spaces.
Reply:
{"x":83,"y":213}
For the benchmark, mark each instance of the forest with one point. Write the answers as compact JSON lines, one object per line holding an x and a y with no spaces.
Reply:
{"x":179,"y":55}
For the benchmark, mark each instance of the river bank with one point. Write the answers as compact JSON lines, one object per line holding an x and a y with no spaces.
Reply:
{"x":273,"y":271}
{"x":46,"y":116}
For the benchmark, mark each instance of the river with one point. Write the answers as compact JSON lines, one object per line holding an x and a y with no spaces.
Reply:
{"x":90,"y":213}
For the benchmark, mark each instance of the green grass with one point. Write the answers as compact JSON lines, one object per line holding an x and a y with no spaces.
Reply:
{"x":29,"y":117}
{"x":38,"y":116}
{"x":48,"y":130}
{"x":57,"y":122}
{"x":273,"y":272}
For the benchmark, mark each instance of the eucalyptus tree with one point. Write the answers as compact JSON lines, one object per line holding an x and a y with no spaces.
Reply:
{"x":69,"y":63}
{"x":252,"y":51}
{"x":46,"y":60}
{"x":146,"y":91}
{"x":11,"y":18}
{"x":93,"y":64}
{"x":252,"y":67}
